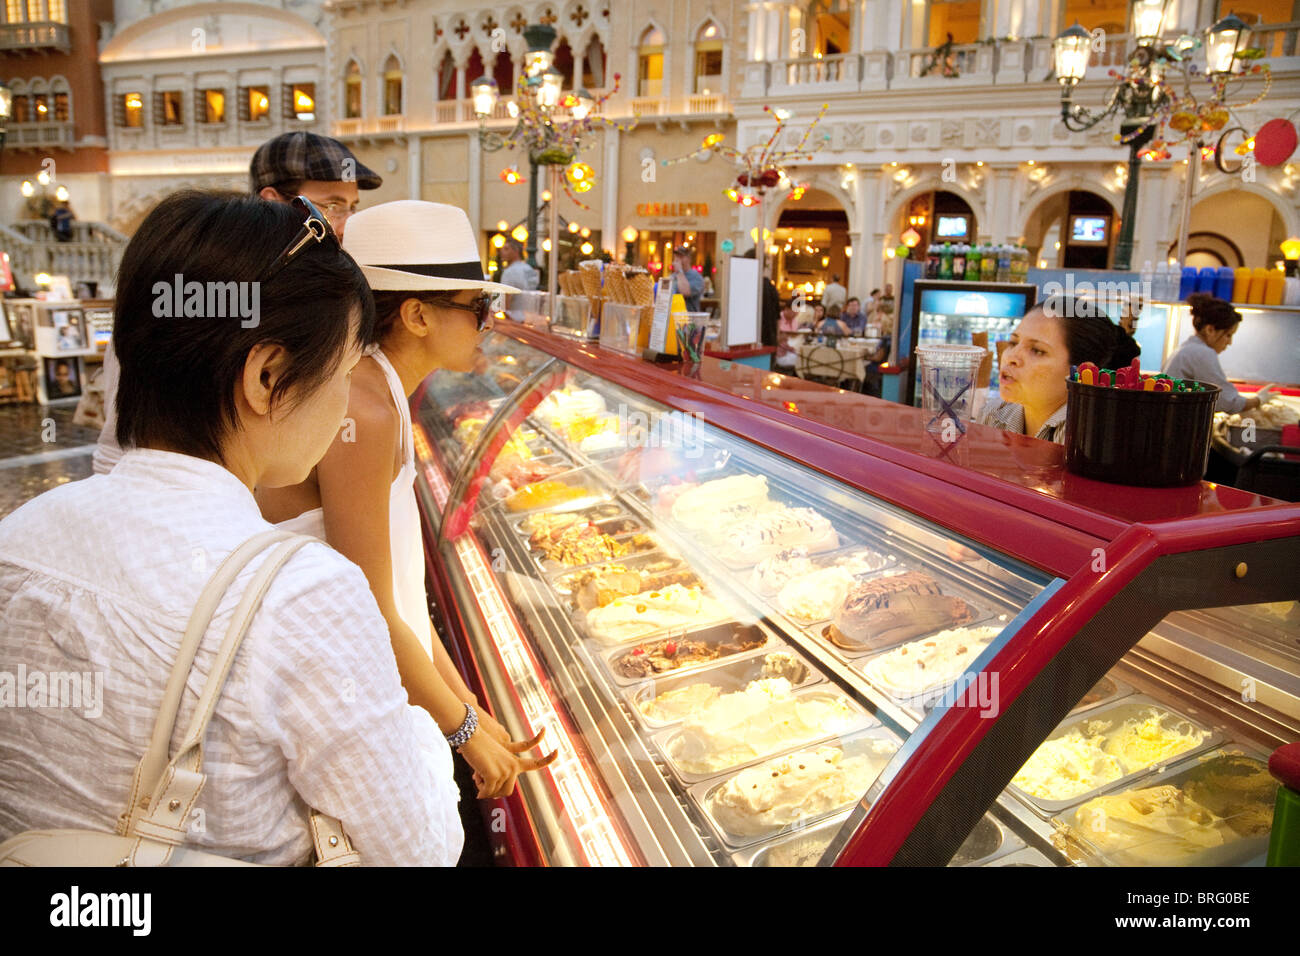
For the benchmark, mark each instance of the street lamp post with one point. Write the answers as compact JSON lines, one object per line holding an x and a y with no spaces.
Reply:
{"x":1136,"y":96}
{"x":6,"y":110}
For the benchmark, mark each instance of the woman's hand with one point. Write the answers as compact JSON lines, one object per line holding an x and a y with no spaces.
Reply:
{"x":493,"y":727}
{"x":496,"y":765}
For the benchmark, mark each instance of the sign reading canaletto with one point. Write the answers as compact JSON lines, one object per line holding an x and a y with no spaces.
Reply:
{"x":674,"y":209}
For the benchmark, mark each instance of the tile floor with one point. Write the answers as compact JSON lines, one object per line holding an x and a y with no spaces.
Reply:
{"x":40,"y":449}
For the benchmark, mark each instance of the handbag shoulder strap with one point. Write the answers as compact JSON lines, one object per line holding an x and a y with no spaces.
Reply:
{"x":151,"y":765}
{"x":160,"y":823}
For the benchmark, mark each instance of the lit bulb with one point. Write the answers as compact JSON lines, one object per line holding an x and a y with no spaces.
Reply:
{"x":498,"y":241}
{"x":61,"y":194}
{"x":546,"y":195}
{"x":586,"y":233}
{"x":586,"y":248}
{"x":502,"y":226}
{"x":546,"y":245}
{"x":573,"y":227}
{"x":43,"y":177}
{"x":28,"y":189}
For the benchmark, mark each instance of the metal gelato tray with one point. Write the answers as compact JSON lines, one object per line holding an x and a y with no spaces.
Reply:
{"x":982,"y":615}
{"x":588,"y":480}
{"x":878,"y":744}
{"x":1129,"y":708}
{"x":988,"y":844}
{"x":921,"y":701}
{"x":727,"y":674}
{"x":820,"y":561}
{"x":601,"y":512}
{"x":714,"y":634}
{"x":860,"y":719}
{"x":722,"y":613}
{"x":1237,"y":838}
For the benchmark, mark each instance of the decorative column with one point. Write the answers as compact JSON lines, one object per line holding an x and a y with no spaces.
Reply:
{"x":610,"y":228}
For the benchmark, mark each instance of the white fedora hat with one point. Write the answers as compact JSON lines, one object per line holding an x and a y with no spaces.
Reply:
{"x":409,"y":245}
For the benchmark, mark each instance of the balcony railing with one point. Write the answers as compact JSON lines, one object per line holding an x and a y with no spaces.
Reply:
{"x":92,"y":255}
{"x":32,"y":37}
{"x":975,"y":64}
{"x":41,"y":135}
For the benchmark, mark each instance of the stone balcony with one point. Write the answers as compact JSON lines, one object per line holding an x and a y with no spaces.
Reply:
{"x":21,"y":38}
{"x":48,"y":135}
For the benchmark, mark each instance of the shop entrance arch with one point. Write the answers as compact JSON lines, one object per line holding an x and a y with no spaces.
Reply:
{"x":1072,"y":229}
{"x":809,"y":245}
{"x":1235,"y":227}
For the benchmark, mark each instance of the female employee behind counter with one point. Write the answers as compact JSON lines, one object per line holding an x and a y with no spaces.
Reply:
{"x":1056,"y":333}
{"x":1215,"y":322}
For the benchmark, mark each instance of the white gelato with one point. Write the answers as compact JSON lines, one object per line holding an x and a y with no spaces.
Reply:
{"x":922,"y":666}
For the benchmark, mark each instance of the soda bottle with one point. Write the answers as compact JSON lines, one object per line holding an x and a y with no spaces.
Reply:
{"x":1004,"y":263}
{"x":959,"y":260}
{"x":973,"y":260}
{"x":989,"y":263}
{"x":945,"y":261}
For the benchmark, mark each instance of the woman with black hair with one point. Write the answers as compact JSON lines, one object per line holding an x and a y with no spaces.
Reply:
{"x":238,"y":325}
{"x":1214,"y":323}
{"x":432,"y":307}
{"x":1056,"y":333}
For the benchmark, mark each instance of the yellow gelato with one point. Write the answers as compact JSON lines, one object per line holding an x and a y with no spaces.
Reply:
{"x":1092,"y":754}
{"x":675,"y":704}
{"x":1067,"y":766}
{"x":764,"y":718}
{"x":1237,"y":788}
{"x":1158,"y":826}
{"x":1149,"y":740}
{"x":638,"y":615}
{"x":788,"y":789}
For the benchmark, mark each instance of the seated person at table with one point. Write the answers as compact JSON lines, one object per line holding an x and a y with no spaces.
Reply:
{"x":818,"y":313}
{"x":832,"y":324}
{"x":854,"y":319}
{"x":788,"y":325}
{"x":1056,"y":333}
{"x":871,"y":384}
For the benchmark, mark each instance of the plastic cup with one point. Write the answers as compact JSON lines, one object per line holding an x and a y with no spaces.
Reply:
{"x":948,"y":374}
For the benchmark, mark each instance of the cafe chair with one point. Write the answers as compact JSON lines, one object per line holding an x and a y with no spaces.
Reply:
{"x":821,"y":363}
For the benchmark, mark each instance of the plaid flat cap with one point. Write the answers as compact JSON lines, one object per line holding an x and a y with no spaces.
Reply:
{"x":303,"y":155}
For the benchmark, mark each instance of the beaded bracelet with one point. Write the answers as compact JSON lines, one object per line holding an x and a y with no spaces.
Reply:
{"x":465,"y":731}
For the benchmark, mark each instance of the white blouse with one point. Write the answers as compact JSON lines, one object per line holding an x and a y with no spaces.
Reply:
{"x":97,"y":580}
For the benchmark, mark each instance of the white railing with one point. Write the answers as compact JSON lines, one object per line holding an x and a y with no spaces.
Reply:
{"x":956,"y":62}
{"x":54,"y":133}
{"x":1277,"y":39}
{"x":92,"y":255}
{"x":818,"y":69}
{"x":448,"y":111}
{"x":34,"y":36}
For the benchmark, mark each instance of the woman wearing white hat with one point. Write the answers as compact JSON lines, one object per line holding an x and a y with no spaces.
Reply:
{"x":432,"y":306}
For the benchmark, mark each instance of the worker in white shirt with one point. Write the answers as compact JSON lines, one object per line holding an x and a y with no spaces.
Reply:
{"x":517,"y":271}
{"x":834,"y":293}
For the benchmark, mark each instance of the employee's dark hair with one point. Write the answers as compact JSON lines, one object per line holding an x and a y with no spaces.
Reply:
{"x":1090,"y":335}
{"x":1212,"y":313}
{"x":179,"y":373}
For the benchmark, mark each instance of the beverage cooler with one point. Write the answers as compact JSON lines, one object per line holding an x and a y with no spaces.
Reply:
{"x":949,"y":311}
{"x":769,"y":623}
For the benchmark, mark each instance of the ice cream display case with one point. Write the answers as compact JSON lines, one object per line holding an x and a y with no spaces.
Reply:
{"x":767,"y":622}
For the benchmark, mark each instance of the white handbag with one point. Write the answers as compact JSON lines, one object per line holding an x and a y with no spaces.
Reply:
{"x":151,"y":831}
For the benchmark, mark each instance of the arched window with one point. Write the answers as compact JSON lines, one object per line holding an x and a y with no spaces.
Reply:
{"x":42,"y":106}
{"x":447,"y":78}
{"x":474,"y":66}
{"x":832,"y":27}
{"x":503,"y":71}
{"x":708,"y":59}
{"x":392,"y":86}
{"x":61,"y":100}
{"x":650,"y":64}
{"x":21,"y":109}
{"x":352,"y":90}
{"x":593,"y":65}
{"x":564,"y":63}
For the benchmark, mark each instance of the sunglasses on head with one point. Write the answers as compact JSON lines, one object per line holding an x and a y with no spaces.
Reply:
{"x":315,"y":226}
{"x":481,"y":307}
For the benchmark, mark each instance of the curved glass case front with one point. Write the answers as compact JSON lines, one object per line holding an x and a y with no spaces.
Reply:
{"x":740,"y":646}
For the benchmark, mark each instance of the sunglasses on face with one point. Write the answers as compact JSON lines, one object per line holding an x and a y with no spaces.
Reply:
{"x":481,"y":307}
{"x":315,"y":226}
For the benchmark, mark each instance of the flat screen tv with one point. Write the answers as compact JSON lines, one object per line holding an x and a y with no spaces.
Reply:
{"x":1089,"y":230}
{"x":952,"y":226}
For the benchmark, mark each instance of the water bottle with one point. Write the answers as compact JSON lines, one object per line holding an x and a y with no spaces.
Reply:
{"x":1148,"y":279}
{"x":1223,"y":283}
{"x":1004,"y":263}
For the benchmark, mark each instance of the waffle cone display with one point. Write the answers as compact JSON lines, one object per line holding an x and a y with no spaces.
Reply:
{"x":590,"y":275}
{"x":643,"y":288}
{"x":617,"y":288}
